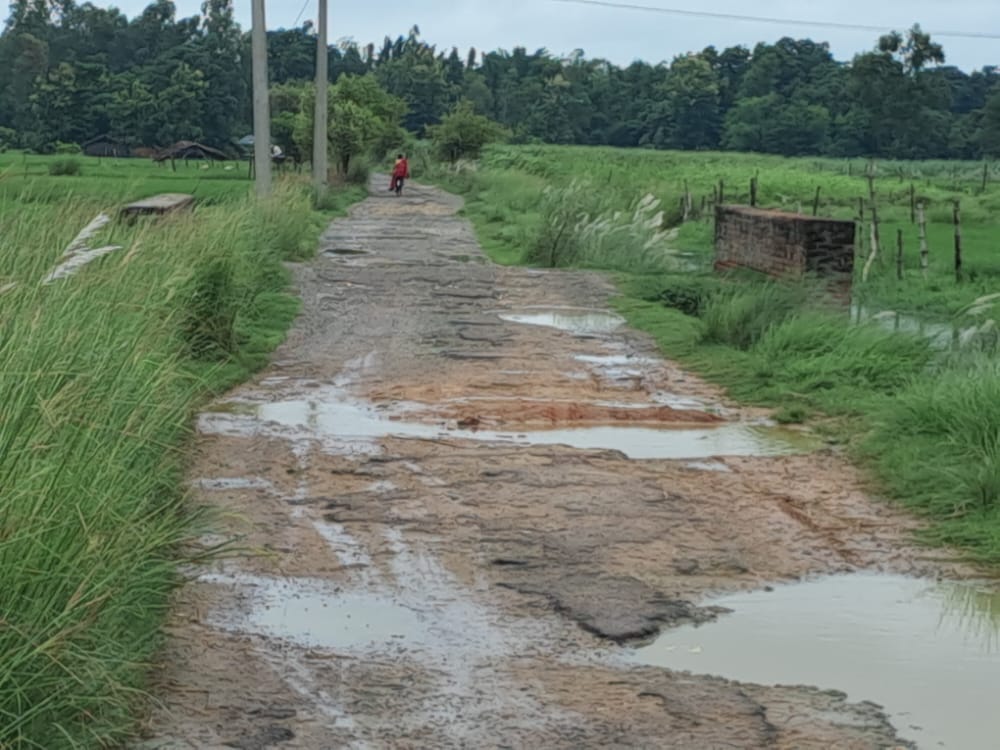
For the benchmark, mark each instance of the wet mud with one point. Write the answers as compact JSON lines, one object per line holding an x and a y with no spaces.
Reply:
{"x":472,"y":499}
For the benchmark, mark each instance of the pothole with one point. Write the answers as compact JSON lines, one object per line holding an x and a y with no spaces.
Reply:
{"x":349,"y":426}
{"x":573,"y":320}
{"x":919,"y":648}
{"x":314,"y":614}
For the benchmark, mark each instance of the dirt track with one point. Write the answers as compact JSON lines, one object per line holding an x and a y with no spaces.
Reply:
{"x":434,"y":587}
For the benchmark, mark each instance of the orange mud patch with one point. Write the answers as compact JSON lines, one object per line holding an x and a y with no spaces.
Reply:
{"x":528,"y":413}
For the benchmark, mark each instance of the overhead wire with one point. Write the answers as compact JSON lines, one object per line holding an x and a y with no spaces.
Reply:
{"x":764,"y":19}
{"x":301,"y":13}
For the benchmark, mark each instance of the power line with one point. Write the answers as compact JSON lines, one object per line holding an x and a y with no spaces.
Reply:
{"x":765,"y":19}
{"x":301,"y":13}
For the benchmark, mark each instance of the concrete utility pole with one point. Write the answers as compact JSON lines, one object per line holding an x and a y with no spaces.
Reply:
{"x":261,"y":102}
{"x":320,"y":161}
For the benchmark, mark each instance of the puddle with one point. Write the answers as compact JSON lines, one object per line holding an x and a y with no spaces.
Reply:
{"x":940,"y":335}
{"x":928,"y":652}
{"x":313,"y":613}
{"x":348,"y":426}
{"x":577,"y":321}
{"x":417,"y":607}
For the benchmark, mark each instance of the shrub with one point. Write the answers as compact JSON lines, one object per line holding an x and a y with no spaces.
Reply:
{"x":65,"y":168}
{"x":462,"y":133}
{"x":8,"y":139}
{"x":69,"y":149}
{"x":937,"y":447}
{"x":358,"y":172}
{"x":689,"y":294}
{"x":741,"y":315}
{"x":580,"y":227}
{"x":819,"y":351}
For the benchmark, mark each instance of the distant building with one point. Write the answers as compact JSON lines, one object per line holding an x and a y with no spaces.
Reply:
{"x":190,"y":150}
{"x":106,"y":145}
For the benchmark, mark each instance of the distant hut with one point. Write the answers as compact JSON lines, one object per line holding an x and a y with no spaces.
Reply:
{"x":107,"y":145}
{"x":190,"y":150}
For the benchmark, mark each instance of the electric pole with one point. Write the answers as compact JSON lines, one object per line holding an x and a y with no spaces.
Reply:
{"x":261,"y":102}
{"x":320,"y":122}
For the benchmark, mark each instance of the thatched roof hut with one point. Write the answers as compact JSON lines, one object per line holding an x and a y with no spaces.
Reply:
{"x":190,"y":150}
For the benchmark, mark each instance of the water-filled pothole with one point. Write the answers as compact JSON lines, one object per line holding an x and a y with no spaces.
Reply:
{"x":347,"y":424}
{"x":313,"y":613}
{"x":928,"y":652}
{"x":579,"y":321}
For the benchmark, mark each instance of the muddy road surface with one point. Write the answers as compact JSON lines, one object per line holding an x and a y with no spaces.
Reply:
{"x":470,"y":493}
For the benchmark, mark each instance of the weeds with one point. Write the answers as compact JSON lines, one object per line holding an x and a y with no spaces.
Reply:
{"x":741,"y":315}
{"x":65,"y":168}
{"x":100,"y":375}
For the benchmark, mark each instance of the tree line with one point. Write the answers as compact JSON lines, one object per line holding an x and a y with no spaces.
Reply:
{"x":70,"y":72}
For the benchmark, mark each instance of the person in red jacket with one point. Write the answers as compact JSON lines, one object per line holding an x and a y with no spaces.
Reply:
{"x":400,"y":173}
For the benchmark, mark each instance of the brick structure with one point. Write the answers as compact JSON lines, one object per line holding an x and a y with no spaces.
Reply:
{"x":783,"y":244}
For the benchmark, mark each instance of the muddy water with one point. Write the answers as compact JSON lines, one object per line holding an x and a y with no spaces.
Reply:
{"x":928,"y":652}
{"x":350,"y":426}
{"x":578,"y":321}
{"x":940,"y":335}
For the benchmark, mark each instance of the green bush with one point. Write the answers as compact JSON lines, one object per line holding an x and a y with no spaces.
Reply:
{"x":818,"y":351}
{"x":936,"y":447}
{"x":689,"y":293}
{"x":740,"y":315}
{"x":359,"y":172}
{"x":68,"y":149}
{"x":65,"y":168}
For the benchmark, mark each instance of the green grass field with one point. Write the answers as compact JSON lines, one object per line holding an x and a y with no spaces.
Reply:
{"x":100,"y":376}
{"x":25,"y":178}
{"x":506,"y":194}
{"x":923,"y":421}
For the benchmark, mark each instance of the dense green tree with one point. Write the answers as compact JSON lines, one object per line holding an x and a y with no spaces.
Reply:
{"x":988,"y":138}
{"x":219,"y":60}
{"x":692,"y":97}
{"x":463,"y":133}
{"x":70,"y":70}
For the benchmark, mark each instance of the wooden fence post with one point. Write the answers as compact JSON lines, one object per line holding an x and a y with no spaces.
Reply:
{"x":986,"y":175}
{"x":816,"y":202}
{"x":957,"y":215}
{"x":753,"y":191}
{"x":913,"y":204}
{"x":899,"y":254}
{"x":722,"y":192}
{"x":874,"y":206}
{"x":924,"y":249}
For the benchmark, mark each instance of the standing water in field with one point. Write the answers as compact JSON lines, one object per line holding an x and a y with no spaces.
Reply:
{"x":928,"y":652}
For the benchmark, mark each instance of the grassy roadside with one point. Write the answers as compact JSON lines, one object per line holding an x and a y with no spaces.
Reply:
{"x":921,"y":422}
{"x":101,"y":375}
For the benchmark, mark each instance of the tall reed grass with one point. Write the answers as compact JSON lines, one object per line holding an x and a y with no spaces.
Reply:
{"x":99,"y":377}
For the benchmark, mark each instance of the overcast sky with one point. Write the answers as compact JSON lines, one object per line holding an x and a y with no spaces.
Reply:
{"x":623,"y":35}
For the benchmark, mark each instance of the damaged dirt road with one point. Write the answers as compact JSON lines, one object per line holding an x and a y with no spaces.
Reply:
{"x":474,"y":491}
